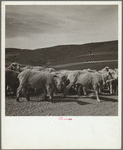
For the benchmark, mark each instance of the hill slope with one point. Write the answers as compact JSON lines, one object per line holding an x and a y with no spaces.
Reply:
{"x":64,"y":54}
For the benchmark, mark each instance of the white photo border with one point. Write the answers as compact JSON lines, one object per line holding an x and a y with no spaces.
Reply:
{"x":36,"y":132}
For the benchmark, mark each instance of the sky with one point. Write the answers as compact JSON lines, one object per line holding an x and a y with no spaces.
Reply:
{"x":40,"y":26}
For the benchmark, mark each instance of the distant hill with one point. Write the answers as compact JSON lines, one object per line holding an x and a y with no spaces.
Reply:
{"x":63,"y":54}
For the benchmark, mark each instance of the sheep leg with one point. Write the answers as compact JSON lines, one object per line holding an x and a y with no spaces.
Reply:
{"x":18,"y":92}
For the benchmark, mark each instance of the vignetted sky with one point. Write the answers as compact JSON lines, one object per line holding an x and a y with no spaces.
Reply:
{"x":39,"y":26}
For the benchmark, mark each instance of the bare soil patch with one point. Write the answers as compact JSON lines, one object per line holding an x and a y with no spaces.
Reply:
{"x":72,"y":105}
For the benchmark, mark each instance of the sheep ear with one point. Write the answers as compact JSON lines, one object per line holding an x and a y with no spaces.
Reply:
{"x":64,"y":76}
{"x":107,"y":68}
{"x":55,"y":76}
{"x":12,"y":68}
{"x":109,"y":73}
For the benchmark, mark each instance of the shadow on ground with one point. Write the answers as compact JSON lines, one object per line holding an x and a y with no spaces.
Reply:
{"x":105,"y":99}
{"x":58,"y":99}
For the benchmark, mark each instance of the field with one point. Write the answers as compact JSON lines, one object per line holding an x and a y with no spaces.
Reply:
{"x":72,"y":105}
{"x":93,"y":55}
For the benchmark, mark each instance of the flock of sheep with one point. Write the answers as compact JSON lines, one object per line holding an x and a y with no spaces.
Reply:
{"x":33,"y":78}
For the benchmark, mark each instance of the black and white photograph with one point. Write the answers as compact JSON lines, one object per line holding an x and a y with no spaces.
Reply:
{"x":62,"y":60}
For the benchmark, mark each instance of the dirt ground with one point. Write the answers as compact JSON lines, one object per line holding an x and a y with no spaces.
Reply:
{"x":72,"y":105}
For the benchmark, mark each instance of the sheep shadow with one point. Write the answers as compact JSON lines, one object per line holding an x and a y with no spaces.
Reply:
{"x":108,"y":99}
{"x":108,"y":94}
{"x":105,"y":99}
{"x":58,"y":99}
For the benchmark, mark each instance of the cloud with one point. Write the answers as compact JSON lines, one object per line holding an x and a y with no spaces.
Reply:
{"x":28,"y":23}
{"x":43,"y":26}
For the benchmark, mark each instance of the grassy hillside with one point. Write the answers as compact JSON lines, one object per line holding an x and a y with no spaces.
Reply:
{"x":64,"y":54}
